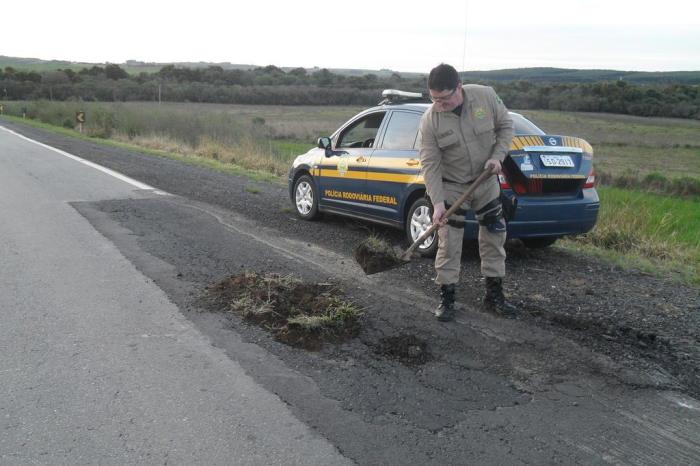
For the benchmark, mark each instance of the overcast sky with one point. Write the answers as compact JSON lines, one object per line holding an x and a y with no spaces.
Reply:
{"x":370,"y":34}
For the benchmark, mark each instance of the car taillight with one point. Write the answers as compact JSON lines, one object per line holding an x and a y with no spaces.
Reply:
{"x":590,"y":181}
{"x":503,"y":181}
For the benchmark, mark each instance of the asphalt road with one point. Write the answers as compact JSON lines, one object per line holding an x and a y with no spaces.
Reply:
{"x":132,"y":376}
{"x":97,"y":364}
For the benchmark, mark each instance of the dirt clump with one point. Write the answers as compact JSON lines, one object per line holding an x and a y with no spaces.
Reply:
{"x":299,"y":314}
{"x":409,"y":349}
{"x":375,"y":255}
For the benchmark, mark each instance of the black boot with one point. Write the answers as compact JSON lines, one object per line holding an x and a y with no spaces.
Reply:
{"x":495,"y":301}
{"x":446,"y":310}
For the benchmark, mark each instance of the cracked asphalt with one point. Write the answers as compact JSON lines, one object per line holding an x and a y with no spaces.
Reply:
{"x":602,"y":366}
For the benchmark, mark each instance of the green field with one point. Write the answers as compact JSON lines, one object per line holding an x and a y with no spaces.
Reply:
{"x":657,"y":230}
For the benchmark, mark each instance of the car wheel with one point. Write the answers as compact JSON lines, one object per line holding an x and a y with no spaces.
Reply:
{"x":539,"y":243}
{"x":418,"y":220}
{"x":305,"y":198}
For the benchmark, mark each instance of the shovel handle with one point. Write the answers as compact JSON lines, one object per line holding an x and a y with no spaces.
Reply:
{"x":475,"y":184}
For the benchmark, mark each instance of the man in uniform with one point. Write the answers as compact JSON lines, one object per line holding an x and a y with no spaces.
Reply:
{"x":465,"y":131}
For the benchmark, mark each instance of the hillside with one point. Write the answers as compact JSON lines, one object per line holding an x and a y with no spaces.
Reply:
{"x":541,"y":75}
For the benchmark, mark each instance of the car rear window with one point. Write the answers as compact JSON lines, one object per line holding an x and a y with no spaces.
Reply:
{"x":524,"y":126}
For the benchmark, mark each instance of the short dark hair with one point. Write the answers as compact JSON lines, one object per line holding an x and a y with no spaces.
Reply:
{"x":443,"y":77}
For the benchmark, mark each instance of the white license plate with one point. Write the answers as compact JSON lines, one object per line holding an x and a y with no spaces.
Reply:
{"x":557,"y":161}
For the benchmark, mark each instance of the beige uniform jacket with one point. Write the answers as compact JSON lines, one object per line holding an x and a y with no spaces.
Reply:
{"x":456,"y":148}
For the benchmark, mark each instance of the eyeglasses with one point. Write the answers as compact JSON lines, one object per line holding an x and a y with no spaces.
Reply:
{"x":443,"y":98}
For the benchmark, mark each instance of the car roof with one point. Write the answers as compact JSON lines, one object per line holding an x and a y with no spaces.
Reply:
{"x":415,"y":106}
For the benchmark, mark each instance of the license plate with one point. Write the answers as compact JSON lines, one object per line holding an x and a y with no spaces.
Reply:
{"x":557,"y":161}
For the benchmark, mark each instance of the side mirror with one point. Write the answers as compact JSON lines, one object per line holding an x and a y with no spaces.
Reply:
{"x":325,"y":143}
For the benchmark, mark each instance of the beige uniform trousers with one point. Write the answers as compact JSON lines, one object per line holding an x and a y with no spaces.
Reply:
{"x":449,"y":253}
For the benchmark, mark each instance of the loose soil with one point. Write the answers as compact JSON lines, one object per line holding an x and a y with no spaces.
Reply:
{"x":296,"y":313}
{"x":376,"y":256}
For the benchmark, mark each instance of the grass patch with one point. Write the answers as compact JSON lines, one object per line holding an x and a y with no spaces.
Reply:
{"x":655,"y":233}
{"x":296,"y":313}
{"x":653,"y":182}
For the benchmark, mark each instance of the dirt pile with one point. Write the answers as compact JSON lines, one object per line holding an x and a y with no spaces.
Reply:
{"x":375,"y":255}
{"x":299,"y":314}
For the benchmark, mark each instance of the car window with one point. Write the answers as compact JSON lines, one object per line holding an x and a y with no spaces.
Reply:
{"x":524,"y":126}
{"x":362,"y":132}
{"x":401,"y":131}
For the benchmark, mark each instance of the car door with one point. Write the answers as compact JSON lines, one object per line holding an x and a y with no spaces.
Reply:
{"x":394,"y":165}
{"x":342,"y":178}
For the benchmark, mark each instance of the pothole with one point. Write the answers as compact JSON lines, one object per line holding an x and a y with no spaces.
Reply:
{"x":300,"y":314}
{"x":407,"y":348}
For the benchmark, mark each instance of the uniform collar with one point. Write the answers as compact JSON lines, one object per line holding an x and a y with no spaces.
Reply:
{"x":467,"y":96}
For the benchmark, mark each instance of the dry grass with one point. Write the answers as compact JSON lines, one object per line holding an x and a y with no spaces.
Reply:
{"x":248,"y":153}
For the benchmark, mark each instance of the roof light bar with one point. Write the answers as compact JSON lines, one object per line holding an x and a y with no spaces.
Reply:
{"x":395,"y":96}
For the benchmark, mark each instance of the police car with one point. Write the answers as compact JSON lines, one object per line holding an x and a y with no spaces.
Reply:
{"x":370,"y":169}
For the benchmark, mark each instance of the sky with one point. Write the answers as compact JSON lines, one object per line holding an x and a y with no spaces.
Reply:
{"x":408,"y":36}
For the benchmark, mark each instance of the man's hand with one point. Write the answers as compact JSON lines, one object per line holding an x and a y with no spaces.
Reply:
{"x":494,"y":166}
{"x":438,"y":212}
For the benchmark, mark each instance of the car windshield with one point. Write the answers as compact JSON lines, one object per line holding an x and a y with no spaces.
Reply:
{"x":524,"y":126}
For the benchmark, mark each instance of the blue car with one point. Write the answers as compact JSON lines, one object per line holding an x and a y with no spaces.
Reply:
{"x":370,"y":169}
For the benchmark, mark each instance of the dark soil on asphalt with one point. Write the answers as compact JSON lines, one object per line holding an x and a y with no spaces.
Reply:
{"x":304,"y":315}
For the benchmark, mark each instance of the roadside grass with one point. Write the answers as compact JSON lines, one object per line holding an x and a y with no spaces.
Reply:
{"x":161,"y":149}
{"x":257,"y":138}
{"x":658,"y":234}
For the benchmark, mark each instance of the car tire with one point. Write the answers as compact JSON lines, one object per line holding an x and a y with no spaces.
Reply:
{"x":539,"y":243}
{"x":419,"y":219}
{"x":305,"y":198}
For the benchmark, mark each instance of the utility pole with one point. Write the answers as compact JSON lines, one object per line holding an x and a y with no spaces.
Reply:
{"x":466,"y":23}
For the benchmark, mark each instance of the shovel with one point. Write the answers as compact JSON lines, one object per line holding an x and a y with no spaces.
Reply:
{"x":374,"y":257}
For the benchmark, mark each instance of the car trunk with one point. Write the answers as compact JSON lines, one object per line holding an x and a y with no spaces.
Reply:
{"x":548,"y":165}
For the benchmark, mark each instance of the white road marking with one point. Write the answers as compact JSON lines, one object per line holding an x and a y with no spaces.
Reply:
{"x":106,"y":170}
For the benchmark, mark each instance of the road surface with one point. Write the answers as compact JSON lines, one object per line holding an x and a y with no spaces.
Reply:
{"x":109,"y":355}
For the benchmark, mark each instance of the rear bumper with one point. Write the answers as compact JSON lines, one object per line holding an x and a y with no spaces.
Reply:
{"x":548,"y":216}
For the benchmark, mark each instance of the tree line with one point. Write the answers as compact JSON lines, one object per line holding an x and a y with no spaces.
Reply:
{"x":271,"y":85}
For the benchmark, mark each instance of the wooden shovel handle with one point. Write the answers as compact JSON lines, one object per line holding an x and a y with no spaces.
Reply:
{"x":458,"y":203}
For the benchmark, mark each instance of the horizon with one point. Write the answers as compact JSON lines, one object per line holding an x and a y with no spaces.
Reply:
{"x":152,"y":63}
